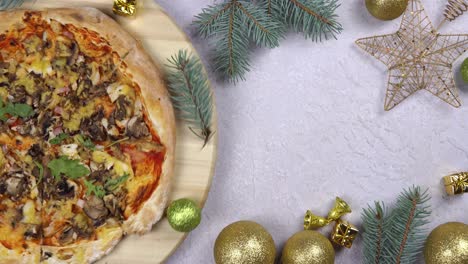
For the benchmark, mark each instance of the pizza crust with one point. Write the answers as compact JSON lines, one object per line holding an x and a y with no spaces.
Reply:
{"x":87,"y":252}
{"x":156,"y":100}
{"x":32,"y":255}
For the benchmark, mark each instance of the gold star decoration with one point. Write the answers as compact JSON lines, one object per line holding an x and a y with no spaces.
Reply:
{"x":418,"y":57}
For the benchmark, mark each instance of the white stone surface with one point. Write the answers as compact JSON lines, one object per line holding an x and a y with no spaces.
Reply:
{"x":308,"y":125}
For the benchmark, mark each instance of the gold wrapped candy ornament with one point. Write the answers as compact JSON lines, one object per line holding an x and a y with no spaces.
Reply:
{"x":456,"y":183}
{"x":125,"y":7}
{"x":344,"y":234}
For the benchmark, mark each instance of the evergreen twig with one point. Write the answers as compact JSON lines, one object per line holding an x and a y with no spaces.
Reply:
{"x":233,"y":24}
{"x":10,"y":4}
{"x":316,"y":19}
{"x":190,"y":93}
{"x":397,"y":237}
{"x":375,"y":222}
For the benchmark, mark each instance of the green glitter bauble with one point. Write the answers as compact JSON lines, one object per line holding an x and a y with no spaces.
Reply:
{"x":464,"y":70}
{"x":183,"y":215}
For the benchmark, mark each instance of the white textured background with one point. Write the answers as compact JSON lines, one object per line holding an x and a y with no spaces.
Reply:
{"x":308,"y":125}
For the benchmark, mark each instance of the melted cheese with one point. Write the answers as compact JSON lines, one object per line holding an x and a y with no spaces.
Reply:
{"x":115,"y":90}
{"x":75,"y":120}
{"x":40,"y":66}
{"x":30,"y":215}
{"x":119,"y":167}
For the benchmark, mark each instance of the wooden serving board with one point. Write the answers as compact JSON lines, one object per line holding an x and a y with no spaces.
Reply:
{"x":194,"y":169}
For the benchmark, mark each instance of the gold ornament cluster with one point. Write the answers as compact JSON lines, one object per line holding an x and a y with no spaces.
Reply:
{"x":343,"y":233}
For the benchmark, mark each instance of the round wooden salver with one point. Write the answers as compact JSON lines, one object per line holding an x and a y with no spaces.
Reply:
{"x":194,"y":169}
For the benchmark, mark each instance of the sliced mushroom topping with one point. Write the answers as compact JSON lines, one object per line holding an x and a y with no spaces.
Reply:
{"x":99,"y":175}
{"x":45,"y":122}
{"x":137,"y":128}
{"x":35,"y":151}
{"x":95,"y":208}
{"x":82,"y":226}
{"x":19,"y":95}
{"x":120,"y":111}
{"x":16,"y":186}
{"x":3,"y":188}
{"x":112,"y":204}
{"x":74,"y":54}
{"x":68,"y":236}
{"x":65,"y":189}
{"x":93,"y":128}
{"x":46,"y":255}
{"x":33,"y":231}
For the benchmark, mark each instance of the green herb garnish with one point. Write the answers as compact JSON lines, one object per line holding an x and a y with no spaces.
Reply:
{"x":113,"y":184}
{"x":71,"y":168}
{"x":98,"y":190}
{"x":86,"y":142}
{"x":21,"y":110}
{"x":59,"y":138}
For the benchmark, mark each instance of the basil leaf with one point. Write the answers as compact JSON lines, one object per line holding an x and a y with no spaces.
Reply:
{"x":71,"y":168}
{"x":59,"y":138}
{"x":96,"y":189}
{"x":86,"y":142}
{"x":113,"y":184}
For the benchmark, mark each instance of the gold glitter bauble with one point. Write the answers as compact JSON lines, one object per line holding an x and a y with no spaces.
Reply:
{"x":447,"y":244}
{"x":308,"y":247}
{"x":386,"y":9}
{"x":244,"y":242}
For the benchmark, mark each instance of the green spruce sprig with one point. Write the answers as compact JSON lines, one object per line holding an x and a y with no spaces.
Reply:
{"x":316,"y":19}
{"x":396,"y":237}
{"x":233,"y":24}
{"x":9,"y":4}
{"x":375,"y":221}
{"x":190,"y":93}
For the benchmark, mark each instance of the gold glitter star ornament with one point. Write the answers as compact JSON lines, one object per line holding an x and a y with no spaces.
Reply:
{"x":417,"y":57}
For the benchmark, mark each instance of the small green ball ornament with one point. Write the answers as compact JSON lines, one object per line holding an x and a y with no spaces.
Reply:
{"x":183,"y":215}
{"x":464,"y":70}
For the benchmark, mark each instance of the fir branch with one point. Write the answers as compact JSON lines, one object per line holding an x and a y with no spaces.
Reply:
{"x":190,"y":93}
{"x":232,"y":25}
{"x":375,"y":221}
{"x":396,"y":237}
{"x":10,"y":4}
{"x":407,"y":235}
{"x":316,"y":19}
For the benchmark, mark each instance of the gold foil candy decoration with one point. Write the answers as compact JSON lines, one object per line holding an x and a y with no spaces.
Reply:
{"x":341,"y":208}
{"x":344,"y":233}
{"x":456,"y":183}
{"x":125,"y":7}
{"x":312,"y":221}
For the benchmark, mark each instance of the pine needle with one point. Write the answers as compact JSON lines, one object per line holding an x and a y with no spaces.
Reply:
{"x":397,"y":237}
{"x":9,"y":4}
{"x":316,"y":19}
{"x":190,"y":93}
{"x":232,"y":25}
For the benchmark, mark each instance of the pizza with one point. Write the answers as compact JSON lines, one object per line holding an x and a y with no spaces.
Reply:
{"x":87,"y":136}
